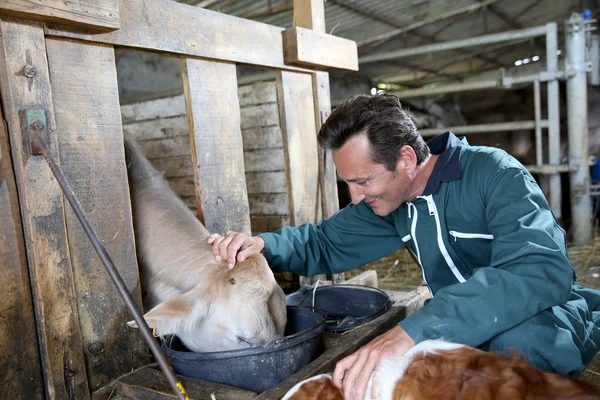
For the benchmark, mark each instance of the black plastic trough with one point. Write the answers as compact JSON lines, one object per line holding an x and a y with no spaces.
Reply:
{"x":349,"y":306}
{"x":256,"y":368}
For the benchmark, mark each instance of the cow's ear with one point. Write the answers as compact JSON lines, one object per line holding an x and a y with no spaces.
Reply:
{"x":277,"y":309}
{"x":175,"y":314}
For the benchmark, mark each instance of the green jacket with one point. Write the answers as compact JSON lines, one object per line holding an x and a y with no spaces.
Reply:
{"x":491,"y":251}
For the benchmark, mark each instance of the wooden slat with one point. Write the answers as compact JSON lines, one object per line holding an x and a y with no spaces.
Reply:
{"x":297,"y":115}
{"x":305,"y":47}
{"x":328,"y":177}
{"x":268,"y":204}
{"x":184,"y":186}
{"x":169,"y":147}
{"x":158,"y":129}
{"x":262,"y":138}
{"x":310,"y":14}
{"x":327,"y":174}
{"x":153,"y":109}
{"x":175,"y":167}
{"x":21,"y":376}
{"x":264,"y":160}
{"x":166,"y":25}
{"x":97,"y":15}
{"x":87,"y":112}
{"x":266,"y":182}
{"x":268,"y":224}
{"x":151,"y":384}
{"x":213,"y":112}
{"x":42,"y":212}
{"x":260,"y":115}
{"x":257,"y":93}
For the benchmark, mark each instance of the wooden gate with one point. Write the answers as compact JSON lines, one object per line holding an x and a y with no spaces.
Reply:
{"x":62,"y":324}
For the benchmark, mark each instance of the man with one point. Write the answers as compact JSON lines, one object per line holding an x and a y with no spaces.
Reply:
{"x":491,"y":251}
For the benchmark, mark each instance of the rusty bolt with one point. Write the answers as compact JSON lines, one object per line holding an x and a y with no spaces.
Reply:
{"x":38,"y":125}
{"x":29,"y":71}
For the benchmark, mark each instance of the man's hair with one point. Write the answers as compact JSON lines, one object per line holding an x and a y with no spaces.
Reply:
{"x":386,"y":124}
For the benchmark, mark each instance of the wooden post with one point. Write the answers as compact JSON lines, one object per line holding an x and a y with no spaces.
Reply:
{"x":21,"y":376}
{"x":311,"y":14}
{"x":213,"y":111}
{"x":87,"y":111}
{"x":24,"y":84}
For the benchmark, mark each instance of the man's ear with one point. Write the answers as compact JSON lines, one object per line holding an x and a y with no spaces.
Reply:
{"x":175,"y":315}
{"x":408,"y":158}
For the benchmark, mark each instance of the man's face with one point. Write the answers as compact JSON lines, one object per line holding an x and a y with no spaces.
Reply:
{"x":382,"y":189}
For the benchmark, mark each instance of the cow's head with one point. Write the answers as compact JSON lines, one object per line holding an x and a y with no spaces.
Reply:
{"x":233,"y":309}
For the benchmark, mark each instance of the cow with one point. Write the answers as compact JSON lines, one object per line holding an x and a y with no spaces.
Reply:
{"x":440,"y":370}
{"x":208,"y":306}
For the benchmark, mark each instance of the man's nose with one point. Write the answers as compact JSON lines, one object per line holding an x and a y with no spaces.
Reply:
{"x":356,"y":195}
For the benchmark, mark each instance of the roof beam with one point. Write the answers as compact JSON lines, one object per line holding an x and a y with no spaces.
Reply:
{"x":377,"y":17}
{"x":396,"y":32}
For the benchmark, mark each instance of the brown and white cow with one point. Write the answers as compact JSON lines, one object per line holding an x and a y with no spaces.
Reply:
{"x":208,"y":306}
{"x":439,"y":370}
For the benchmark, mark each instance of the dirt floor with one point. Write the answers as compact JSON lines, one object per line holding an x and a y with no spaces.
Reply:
{"x":398,"y":271}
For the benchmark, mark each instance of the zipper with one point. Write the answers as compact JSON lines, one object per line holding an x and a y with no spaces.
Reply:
{"x":413,"y":231}
{"x":462,"y":235}
{"x":433,"y":211}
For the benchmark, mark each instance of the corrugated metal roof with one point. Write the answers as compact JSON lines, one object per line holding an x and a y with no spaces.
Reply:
{"x":362,"y":20}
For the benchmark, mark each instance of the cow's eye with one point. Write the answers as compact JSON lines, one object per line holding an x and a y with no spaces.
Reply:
{"x":232,"y":281}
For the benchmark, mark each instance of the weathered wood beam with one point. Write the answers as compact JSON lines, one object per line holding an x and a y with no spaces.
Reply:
{"x":168,"y":26}
{"x":305,"y":47}
{"x":23,"y":48}
{"x":97,"y":15}
{"x":213,"y":112}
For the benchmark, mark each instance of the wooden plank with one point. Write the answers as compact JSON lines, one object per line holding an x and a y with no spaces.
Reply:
{"x":21,"y":376}
{"x":157,"y":129}
{"x":262,"y":138}
{"x":86,"y":104}
{"x":310,"y":14}
{"x":266,"y":182}
{"x":260,"y":115}
{"x":305,"y":47}
{"x":165,"y":148}
{"x":268,"y":204}
{"x":175,"y":167}
{"x":168,"y":26}
{"x":213,"y":112}
{"x":268,"y":223}
{"x":151,"y":384}
{"x":184,"y":186}
{"x":328,"y":177}
{"x":264,"y":160}
{"x":257,"y":93}
{"x":61,"y":348}
{"x":327,"y":174}
{"x":153,"y":109}
{"x":97,"y":15}
{"x":297,"y":115}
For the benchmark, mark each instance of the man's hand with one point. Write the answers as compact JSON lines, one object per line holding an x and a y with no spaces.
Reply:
{"x":352,"y":373}
{"x":235,"y":246}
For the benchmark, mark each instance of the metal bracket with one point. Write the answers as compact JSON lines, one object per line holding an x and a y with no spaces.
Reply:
{"x":33,"y":126}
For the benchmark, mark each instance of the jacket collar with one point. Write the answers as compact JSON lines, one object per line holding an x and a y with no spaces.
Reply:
{"x":447,"y":167}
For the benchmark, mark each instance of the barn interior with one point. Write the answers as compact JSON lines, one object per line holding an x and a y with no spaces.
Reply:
{"x":522,"y":76}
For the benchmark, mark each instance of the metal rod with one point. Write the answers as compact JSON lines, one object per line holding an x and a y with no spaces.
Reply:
{"x":577,"y":115}
{"x":485,"y":128}
{"x":553,"y":110}
{"x":455,"y":44}
{"x":594,"y":74}
{"x":548,"y":169}
{"x":537,"y":109}
{"x":41,"y":147}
